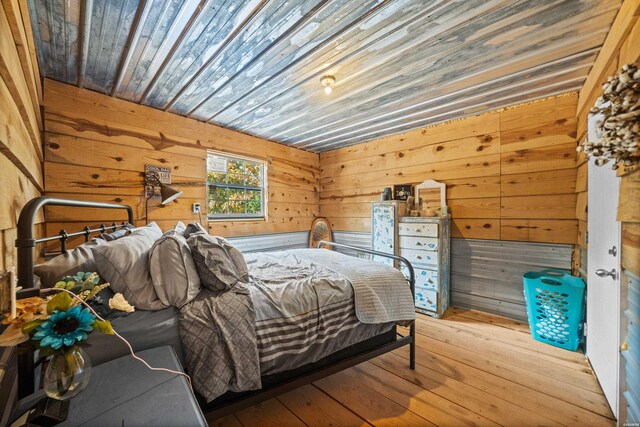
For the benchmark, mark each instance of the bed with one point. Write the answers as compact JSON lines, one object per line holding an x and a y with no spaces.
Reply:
{"x":301,"y":336}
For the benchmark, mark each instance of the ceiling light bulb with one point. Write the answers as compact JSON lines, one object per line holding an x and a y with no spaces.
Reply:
{"x":327,"y":81}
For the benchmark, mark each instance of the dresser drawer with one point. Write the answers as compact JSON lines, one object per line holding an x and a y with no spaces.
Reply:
{"x":413,"y":242}
{"x":426,"y":299}
{"x":419,"y":258}
{"x":425,"y":278}
{"x":417,"y":229}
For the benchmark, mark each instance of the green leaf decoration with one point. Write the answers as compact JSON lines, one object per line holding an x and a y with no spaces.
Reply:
{"x":103,"y":326}
{"x":83,"y":284}
{"x":61,"y":302}
{"x":29,"y":327}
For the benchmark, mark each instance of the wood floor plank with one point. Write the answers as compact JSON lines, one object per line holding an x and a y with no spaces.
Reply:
{"x":518,"y":394}
{"x":495,"y":409}
{"x":368,"y":404}
{"x":423,"y":402}
{"x":544,"y":383}
{"x":316,"y":409}
{"x":574,"y":359}
{"x":269,"y":413}
{"x":491,"y":319}
{"x":510,"y":354}
{"x":518,"y":343}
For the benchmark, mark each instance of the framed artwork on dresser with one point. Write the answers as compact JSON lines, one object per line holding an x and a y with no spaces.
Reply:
{"x":402,"y":191}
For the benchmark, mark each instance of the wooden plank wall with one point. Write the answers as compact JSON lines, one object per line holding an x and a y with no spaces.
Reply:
{"x":20,"y":133}
{"x":510,"y":174}
{"x":96,"y":146}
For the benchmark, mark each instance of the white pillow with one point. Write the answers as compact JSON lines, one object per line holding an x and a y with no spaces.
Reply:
{"x":174,"y":274}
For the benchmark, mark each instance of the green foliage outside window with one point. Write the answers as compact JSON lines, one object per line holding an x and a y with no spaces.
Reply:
{"x":235,"y":187}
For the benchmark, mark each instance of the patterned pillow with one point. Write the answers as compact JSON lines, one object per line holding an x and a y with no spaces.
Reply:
{"x":219,"y":264}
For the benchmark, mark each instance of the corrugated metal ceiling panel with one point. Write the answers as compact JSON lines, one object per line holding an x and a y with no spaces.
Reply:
{"x":255,"y":65}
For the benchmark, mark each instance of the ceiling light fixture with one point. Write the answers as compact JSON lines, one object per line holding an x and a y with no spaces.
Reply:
{"x":327,"y":81}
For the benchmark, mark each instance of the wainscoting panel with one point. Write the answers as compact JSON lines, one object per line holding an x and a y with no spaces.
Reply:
{"x":487,"y":274}
{"x":271,"y":242}
{"x":361,"y":240}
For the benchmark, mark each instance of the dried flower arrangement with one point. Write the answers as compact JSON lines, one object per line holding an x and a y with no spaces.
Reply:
{"x":618,"y":120}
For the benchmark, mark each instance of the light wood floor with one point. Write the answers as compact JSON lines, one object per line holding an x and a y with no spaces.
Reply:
{"x":472,"y":368}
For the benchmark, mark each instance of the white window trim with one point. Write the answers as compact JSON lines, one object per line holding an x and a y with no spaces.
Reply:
{"x":265,"y":189}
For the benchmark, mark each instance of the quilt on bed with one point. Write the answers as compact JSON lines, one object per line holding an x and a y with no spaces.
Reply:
{"x":300,"y":306}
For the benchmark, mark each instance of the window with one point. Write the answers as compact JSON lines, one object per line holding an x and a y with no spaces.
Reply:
{"x":235,"y":187}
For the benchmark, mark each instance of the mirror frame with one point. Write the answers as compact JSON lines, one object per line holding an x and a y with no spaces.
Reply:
{"x":313,"y":224}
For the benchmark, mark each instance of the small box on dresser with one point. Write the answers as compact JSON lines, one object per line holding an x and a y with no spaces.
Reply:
{"x":425,"y":242}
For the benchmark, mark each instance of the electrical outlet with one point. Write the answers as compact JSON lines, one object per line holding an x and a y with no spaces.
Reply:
{"x":196,"y":208}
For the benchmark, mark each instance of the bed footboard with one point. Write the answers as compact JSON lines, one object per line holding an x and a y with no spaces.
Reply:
{"x":411,"y":280}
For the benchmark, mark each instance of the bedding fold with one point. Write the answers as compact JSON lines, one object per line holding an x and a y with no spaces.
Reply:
{"x":218,"y":336}
{"x":381,"y":292}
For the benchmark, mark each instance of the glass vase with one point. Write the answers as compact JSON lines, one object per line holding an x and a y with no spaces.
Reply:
{"x":67,"y":374}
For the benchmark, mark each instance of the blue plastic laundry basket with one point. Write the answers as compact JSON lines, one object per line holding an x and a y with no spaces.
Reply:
{"x":555,"y":307}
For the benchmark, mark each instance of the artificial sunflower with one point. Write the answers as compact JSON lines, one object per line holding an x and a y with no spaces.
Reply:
{"x":65,"y":328}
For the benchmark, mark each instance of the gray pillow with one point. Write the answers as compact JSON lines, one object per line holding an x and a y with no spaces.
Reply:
{"x":68,"y":264}
{"x":125,"y":264}
{"x":219,"y":264}
{"x":173,"y":271}
{"x":193,"y":228}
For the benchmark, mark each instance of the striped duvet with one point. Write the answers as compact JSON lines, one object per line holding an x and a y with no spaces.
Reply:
{"x":305,"y":306}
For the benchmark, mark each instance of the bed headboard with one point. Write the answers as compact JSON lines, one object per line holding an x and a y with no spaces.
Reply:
{"x":26,"y":241}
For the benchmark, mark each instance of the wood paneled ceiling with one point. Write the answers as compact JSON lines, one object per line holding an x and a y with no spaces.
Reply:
{"x":255,"y":65}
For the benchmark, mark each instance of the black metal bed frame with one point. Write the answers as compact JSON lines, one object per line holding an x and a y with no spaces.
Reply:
{"x":26,"y":242}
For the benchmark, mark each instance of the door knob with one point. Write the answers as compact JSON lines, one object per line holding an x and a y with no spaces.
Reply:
{"x":604,"y":273}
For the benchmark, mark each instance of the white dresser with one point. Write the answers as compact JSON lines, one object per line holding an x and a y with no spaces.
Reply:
{"x":425,"y":242}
